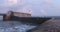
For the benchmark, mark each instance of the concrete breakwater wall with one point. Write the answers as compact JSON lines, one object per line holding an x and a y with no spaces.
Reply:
{"x":37,"y":20}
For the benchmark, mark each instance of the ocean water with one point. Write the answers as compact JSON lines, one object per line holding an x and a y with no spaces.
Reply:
{"x":1,"y":17}
{"x":22,"y":28}
{"x":15,"y":26}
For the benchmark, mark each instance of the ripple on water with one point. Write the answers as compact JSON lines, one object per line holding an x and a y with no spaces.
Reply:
{"x":16,"y":27}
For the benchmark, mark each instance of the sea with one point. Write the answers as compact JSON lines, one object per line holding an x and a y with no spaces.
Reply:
{"x":1,"y":17}
{"x":15,"y":26}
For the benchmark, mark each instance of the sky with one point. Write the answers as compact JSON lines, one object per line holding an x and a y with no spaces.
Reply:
{"x":35,"y":7}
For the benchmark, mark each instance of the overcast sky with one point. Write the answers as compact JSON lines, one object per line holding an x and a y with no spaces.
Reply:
{"x":38,"y":7}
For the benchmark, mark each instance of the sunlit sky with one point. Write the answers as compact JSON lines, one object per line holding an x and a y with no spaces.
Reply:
{"x":38,"y":7}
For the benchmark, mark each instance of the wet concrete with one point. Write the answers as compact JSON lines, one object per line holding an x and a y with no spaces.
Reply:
{"x":52,"y":25}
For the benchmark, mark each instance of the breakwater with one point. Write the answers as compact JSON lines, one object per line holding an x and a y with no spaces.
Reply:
{"x":37,"y":20}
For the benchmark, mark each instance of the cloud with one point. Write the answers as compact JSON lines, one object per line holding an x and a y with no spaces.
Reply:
{"x":7,"y":3}
{"x":48,"y":1}
{"x":12,"y":1}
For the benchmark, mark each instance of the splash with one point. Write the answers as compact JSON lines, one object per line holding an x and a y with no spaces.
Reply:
{"x":43,"y":12}
{"x":30,"y":10}
{"x":11,"y":2}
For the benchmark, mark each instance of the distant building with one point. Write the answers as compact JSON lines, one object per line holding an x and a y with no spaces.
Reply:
{"x":20,"y":14}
